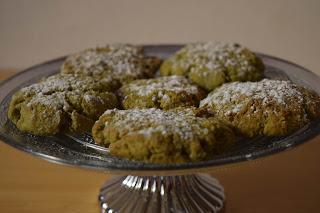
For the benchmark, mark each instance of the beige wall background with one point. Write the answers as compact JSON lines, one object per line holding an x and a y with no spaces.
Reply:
{"x":35,"y":30}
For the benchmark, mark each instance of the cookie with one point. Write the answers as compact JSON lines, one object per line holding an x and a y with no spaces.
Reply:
{"x":163,"y":93}
{"x":153,"y":135}
{"x":116,"y":63}
{"x":60,"y":103}
{"x":210,"y":64}
{"x":268,"y":107}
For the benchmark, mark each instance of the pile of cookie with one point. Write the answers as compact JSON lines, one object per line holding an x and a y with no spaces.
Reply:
{"x":206,"y":95}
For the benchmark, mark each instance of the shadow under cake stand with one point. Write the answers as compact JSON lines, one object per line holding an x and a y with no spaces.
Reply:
{"x":147,"y":187}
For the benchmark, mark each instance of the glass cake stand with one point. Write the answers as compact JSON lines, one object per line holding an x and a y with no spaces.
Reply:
{"x":146,"y":187}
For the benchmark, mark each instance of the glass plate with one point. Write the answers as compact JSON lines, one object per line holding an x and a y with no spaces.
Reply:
{"x":80,"y":150}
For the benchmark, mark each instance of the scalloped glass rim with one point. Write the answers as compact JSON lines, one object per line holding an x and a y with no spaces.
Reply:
{"x":60,"y":149}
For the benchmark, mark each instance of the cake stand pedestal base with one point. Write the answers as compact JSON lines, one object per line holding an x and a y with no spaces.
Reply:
{"x":186,"y":193}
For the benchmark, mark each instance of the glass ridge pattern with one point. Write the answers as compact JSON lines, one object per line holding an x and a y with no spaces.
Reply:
{"x":186,"y":193}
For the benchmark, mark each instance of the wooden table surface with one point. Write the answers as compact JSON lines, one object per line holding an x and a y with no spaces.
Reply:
{"x":285,"y":182}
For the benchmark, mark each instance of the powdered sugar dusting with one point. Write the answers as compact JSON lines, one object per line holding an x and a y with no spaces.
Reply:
{"x":213,"y":57}
{"x":184,"y":122}
{"x":117,"y":59}
{"x":56,"y":101}
{"x":52,"y":91}
{"x":267,"y":91}
{"x":160,"y":85}
{"x":60,"y":83}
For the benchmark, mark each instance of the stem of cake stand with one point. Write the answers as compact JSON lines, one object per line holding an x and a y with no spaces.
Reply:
{"x":185,"y":193}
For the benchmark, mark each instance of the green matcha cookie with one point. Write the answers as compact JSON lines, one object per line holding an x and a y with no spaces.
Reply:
{"x":62,"y":102}
{"x":211,"y":64}
{"x":116,"y":63}
{"x":268,"y":107}
{"x":152,"y":135}
{"x":163,"y":93}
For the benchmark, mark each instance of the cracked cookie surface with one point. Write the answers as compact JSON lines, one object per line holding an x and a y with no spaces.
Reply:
{"x":60,"y":103}
{"x":113,"y":63}
{"x":164,"y":93}
{"x":210,"y":64}
{"x":153,"y":135}
{"x":268,"y":107}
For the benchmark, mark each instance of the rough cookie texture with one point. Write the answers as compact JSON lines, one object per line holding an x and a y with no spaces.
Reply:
{"x":268,"y":107}
{"x":153,"y":135}
{"x":59,"y":103}
{"x":211,"y":64}
{"x":163,"y":93}
{"x":116,"y":63}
